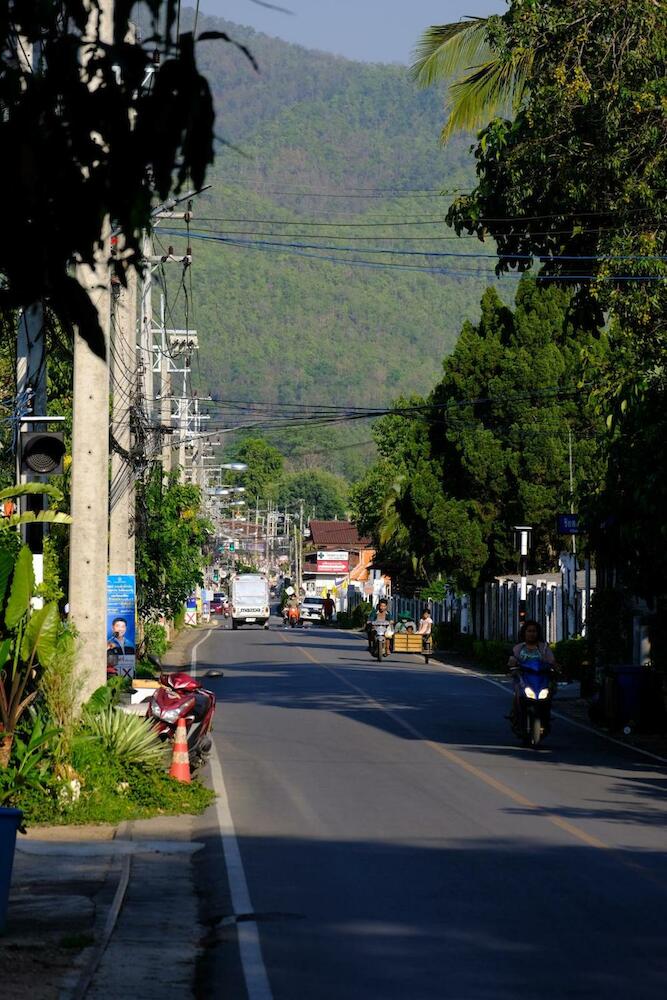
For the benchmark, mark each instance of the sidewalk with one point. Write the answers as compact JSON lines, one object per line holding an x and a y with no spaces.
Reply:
{"x":91,"y":909}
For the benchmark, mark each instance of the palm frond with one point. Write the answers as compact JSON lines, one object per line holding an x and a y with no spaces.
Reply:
{"x":495,"y":86}
{"x":447,"y":49}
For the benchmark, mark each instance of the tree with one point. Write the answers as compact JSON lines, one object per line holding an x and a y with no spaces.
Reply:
{"x":324,"y":495}
{"x":85,"y":138}
{"x":170,"y":540}
{"x":490,"y":447}
{"x":575,"y":183}
{"x":265,"y":464}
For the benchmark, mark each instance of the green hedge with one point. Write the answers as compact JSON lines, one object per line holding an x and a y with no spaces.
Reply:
{"x":573,"y":656}
{"x":491,"y":654}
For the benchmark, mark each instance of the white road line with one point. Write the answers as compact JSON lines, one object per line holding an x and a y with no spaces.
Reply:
{"x":252,"y":962}
{"x":250,"y":949}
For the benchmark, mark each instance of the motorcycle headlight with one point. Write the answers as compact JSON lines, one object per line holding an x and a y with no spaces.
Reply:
{"x":529,"y":693}
{"x":544,"y":693}
{"x":166,"y":714}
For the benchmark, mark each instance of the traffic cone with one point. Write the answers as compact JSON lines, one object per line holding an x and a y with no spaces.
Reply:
{"x":180,"y":760}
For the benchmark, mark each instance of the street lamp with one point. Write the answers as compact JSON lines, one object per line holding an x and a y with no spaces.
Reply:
{"x":522,"y":537}
{"x":234,"y":466}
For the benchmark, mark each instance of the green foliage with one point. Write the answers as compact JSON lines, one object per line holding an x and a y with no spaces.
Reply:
{"x":106,"y":697}
{"x":264,"y":463}
{"x":155,"y":639}
{"x":28,"y":641}
{"x":492,"y":451}
{"x":29,"y":765}
{"x":360,"y":614}
{"x":576,"y":181}
{"x":609,"y":627}
{"x":324,"y":495}
{"x":100,"y":90}
{"x":128,"y":739}
{"x":170,"y":538}
{"x":573,"y":657}
{"x":491,"y":654}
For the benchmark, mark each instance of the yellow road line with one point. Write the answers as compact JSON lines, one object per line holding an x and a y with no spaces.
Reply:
{"x":461,"y":762}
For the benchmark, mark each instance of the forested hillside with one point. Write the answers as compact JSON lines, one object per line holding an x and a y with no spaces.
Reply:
{"x":324,"y":154}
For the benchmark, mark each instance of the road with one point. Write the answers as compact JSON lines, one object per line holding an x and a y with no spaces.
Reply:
{"x":395,"y":842}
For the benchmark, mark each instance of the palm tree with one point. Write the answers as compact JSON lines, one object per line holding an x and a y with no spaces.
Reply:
{"x":485,"y":81}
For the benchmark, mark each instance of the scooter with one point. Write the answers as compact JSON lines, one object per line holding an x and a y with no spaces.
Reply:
{"x":531,"y":712}
{"x":293,"y":616}
{"x":378,"y":633}
{"x":181,"y":696}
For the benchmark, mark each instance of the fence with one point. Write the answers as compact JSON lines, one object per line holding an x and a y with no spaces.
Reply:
{"x":492,"y":611}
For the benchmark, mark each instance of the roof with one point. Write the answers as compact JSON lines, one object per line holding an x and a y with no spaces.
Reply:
{"x":337,"y":535}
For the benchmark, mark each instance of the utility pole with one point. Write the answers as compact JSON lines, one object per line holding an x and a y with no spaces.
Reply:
{"x":90,"y":446}
{"x":123,"y":370}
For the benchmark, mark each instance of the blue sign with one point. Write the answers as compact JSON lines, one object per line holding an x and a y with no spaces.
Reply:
{"x":568,"y":524}
{"x":121,"y":624}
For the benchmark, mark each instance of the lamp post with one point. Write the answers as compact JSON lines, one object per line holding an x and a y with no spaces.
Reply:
{"x":522,"y":537}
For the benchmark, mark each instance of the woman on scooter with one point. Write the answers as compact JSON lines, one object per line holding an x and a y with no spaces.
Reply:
{"x":530,"y":649}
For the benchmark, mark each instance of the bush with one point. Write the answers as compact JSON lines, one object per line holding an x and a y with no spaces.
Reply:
{"x":127,"y":739}
{"x":573,"y":656}
{"x":344,"y":619}
{"x":360,"y":614}
{"x":155,"y":639}
{"x":491,"y":654}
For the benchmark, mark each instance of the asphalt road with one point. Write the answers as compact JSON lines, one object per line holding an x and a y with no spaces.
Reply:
{"x":396,"y":842}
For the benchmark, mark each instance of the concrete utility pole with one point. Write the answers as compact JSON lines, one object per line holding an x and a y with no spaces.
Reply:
{"x":123,"y":369}
{"x":90,"y":449}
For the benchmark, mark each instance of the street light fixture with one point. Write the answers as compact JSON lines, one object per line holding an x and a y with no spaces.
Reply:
{"x":234,"y":466}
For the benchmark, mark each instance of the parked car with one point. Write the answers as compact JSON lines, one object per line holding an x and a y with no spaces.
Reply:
{"x":312,"y":609}
{"x":218,"y":604}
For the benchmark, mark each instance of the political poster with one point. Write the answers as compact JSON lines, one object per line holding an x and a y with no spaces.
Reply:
{"x":121,"y":624}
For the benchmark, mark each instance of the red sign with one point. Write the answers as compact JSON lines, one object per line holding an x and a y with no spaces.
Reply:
{"x":333,"y":562}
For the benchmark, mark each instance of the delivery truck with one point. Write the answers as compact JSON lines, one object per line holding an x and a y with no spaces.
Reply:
{"x":250,"y":600}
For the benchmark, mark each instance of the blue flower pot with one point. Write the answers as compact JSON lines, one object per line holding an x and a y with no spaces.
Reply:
{"x":9,"y":824}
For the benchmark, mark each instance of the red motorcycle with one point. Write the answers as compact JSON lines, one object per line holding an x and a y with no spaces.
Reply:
{"x":181,"y":696}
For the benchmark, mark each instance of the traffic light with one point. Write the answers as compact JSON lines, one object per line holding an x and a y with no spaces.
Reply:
{"x":42,"y":452}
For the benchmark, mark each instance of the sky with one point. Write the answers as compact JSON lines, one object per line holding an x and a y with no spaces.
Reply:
{"x":369,"y":30}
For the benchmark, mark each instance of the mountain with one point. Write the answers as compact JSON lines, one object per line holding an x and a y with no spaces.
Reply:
{"x":319,"y":153}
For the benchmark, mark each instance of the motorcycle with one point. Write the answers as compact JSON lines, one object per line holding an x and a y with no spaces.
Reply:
{"x":293,"y":617}
{"x":379,"y":631}
{"x":181,"y":696}
{"x":531,"y":712}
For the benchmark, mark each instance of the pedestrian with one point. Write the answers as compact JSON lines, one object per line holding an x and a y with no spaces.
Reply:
{"x":328,"y":606}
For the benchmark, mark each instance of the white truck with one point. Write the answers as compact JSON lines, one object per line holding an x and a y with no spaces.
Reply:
{"x":250,"y":600}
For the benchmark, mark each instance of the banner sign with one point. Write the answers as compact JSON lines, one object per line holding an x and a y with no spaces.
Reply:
{"x":121,"y":624}
{"x":333,"y":562}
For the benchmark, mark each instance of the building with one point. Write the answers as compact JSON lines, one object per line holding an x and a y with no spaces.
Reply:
{"x":339,"y":558}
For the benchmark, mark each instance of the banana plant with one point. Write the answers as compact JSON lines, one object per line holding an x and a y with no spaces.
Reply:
{"x":28,"y":639}
{"x":48,"y":516}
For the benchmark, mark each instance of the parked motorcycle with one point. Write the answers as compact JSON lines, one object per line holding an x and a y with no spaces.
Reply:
{"x":531,"y":712}
{"x":181,"y":696}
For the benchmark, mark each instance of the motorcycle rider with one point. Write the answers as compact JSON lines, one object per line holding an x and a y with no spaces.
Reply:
{"x":531,"y":648}
{"x":379,"y":614}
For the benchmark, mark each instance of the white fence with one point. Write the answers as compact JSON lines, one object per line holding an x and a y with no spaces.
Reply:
{"x":492,"y":611}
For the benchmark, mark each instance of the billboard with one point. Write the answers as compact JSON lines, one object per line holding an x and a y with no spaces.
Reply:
{"x":333,"y":562}
{"x":121,"y":624}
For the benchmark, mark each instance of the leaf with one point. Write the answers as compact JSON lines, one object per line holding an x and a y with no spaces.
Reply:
{"x":26,"y":489}
{"x":23,"y":585}
{"x":41,"y":517}
{"x":6,"y":567}
{"x":41,"y":634}
{"x":5,"y":647}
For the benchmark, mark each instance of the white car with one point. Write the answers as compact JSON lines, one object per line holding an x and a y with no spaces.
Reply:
{"x":312,"y":609}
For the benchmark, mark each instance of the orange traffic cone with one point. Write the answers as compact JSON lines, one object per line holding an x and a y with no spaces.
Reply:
{"x":180,"y":760}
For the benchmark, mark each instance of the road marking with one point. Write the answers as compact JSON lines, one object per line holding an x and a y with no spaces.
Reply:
{"x":250,"y":949}
{"x":461,"y":762}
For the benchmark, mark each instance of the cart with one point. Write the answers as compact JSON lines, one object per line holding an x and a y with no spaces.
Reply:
{"x":412,"y":642}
